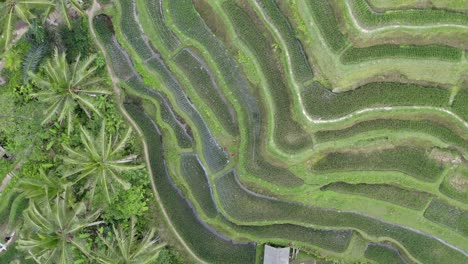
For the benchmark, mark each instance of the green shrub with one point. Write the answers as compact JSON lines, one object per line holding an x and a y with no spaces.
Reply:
{"x":77,"y":40}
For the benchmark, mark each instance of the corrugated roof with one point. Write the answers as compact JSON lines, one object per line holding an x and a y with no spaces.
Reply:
{"x":276,"y":255}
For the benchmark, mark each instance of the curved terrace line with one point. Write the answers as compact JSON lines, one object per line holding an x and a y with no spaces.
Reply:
{"x":345,"y":211}
{"x":384,"y":108}
{"x":389,"y":27}
{"x":296,"y":86}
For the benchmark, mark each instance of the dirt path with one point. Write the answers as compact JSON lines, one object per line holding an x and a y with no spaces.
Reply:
{"x":96,"y":7}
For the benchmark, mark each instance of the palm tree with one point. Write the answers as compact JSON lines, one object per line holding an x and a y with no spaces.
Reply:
{"x":47,"y":185}
{"x":101,"y":161}
{"x":66,"y":86}
{"x":125,"y":248}
{"x":50,"y":231}
{"x":63,"y":6}
{"x":12,"y":10}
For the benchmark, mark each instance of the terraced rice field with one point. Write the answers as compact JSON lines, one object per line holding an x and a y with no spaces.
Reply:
{"x":339,"y":127}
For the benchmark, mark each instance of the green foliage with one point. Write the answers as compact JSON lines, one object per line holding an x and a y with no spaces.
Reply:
{"x":13,"y":10}
{"x":51,"y":231}
{"x":168,"y":256}
{"x":77,"y":40}
{"x":100,"y":161}
{"x":32,"y":59}
{"x":131,"y":202}
{"x":65,"y":87}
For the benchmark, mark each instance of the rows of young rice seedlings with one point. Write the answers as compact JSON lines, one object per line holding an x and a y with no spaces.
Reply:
{"x":384,"y":253}
{"x":160,"y":104}
{"x":130,"y":27}
{"x":455,"y":185}
{"x":447,"y":215}
{"x":327,"y":23}
{"x":204,"y":83}
{"x":250,"y":114}
{"x":333,"y":240}
{"x":414,"y":17}
{"x":213,"y":153}
{"x":195,"y":176}
{"x":320,"y":102}
{"x":155,"y":9}
{"x":412,"y":199}
{"x":122,"y":66}
{"x":288,"y":134}
{"x":385,"y":51}
{"x":202,"y":239}
{"x":300,"y":65}
{"x":252,"y":209}
{"x":446,"y":133}
{"x":409,"y":160}
{"x":452,"y":5}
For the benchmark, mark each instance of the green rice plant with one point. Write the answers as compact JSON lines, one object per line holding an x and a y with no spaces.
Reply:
{"x":156,"y":12}
{"x":366,"y":15}
{"x":409,"y":160}
{"x":204,"y":83}
{"x":435,"y":52}
{"x":326,"y":20}
{"x":288,"y":134}
{"x":181,"y":129}
{"x":447,"y":215}
{"x":105,"y":32}
{"x":385,"y":192}
{"x":322,"y":103}
{"x":300,"y":65}
{"x":455,"y":185}
{"x":130,"y":28}
{"x":201,"y":238}
{"x":434,"y":128}
{"x":333,"y":240}
{"x":122,"y":66}
{"x":190,"y":23}
{"x":195,"y":176}
{"x":253,"y":209}
{"x":384,"y":253}
{"x":460,"y":103}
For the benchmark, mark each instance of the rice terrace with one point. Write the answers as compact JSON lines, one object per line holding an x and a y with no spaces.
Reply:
{"x":234,"y":131}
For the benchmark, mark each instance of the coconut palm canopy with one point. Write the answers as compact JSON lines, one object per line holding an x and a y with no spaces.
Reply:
{"x":12,"y":10}
{"x":65,"y":87}
{"x":54,"y":229}
{"x":100,"y":162}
